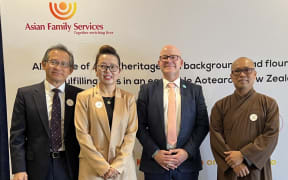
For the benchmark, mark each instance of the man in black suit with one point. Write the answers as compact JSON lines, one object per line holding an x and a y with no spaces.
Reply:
{"x":43,"y":143}
{"x":171,"y":141}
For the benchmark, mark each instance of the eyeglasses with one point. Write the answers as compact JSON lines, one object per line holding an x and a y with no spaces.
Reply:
{"x":171,"y":57}
{"x":246,"y":71}
{"x":62,"y":64}
{"x":112,"y":67}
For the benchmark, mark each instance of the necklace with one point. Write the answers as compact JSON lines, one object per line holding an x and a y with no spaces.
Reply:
{"x":108,"y":99}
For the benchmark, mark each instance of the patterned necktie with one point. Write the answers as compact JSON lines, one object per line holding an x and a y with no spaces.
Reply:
{"x":55,"y":127}
{"x":171,"y":132}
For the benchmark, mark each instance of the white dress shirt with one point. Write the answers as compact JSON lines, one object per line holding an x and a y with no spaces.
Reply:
{"x":49,"y":100}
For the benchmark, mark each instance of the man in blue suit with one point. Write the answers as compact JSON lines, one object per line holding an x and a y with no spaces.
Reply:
{"x":163,"y":159}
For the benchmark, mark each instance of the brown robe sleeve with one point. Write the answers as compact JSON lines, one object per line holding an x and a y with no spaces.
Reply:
{"x":217,"y":140}
{"x":260,"y":150}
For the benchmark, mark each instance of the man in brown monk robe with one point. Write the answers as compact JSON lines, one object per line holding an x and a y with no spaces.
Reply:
{"x":244,"y":128}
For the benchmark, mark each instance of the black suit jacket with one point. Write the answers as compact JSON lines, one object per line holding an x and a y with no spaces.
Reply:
{"x":30,"y":134}
{"x":151,"y":133}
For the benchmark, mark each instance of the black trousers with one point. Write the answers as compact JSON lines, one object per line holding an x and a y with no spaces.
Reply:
{"x":58,"y":169}
{"x":172,"y":175}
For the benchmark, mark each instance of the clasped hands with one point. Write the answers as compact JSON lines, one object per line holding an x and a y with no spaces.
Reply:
{"x":235,"y":160}
{"x":171,"y":159}
{"x":20,"y":176}
{"x":111,"y":173}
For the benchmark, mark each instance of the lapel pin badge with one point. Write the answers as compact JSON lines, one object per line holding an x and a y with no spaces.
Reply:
{"x":184,"y":86}
{"x":253,"y":117}
{"x":69,"y":102}
{"x":98,"y":104}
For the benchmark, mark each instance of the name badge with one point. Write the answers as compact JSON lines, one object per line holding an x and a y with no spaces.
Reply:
{"x":253,"y":117}
{"x":69,"y":102}
{"x":98,"y":104}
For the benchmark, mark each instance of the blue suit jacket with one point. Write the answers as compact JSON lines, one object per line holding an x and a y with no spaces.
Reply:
{"x":151,"y":133}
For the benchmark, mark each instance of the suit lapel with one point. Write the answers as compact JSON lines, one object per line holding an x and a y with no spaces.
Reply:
{"x":69,"y":108}
{"x":159,"y":99}
{"x":101,"y":112}
{"x":184,"y":103}
{"x":159,"y":102}
{"x":117,"y":114}
{"x":40,"y":101}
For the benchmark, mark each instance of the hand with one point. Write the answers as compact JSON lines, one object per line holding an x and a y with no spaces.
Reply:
{"x":180,"y":155}
{"x":241,"y":170}
{"x":111,"y":173}
{"x":165,"y":160}
{"x":233,"y":158}
{"x":20,"y":176}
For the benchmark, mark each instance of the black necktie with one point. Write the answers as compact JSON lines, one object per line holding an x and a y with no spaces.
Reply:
{"x":55,"y":127}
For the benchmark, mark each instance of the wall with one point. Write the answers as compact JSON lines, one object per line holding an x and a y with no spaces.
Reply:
{"x":207,"y":32}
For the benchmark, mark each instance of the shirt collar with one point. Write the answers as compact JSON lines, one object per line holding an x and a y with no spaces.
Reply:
{"x":176,"y":82}
{"x":49,"y":87}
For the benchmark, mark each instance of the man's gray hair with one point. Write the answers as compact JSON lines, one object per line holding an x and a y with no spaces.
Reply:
{"x":62,"y":48}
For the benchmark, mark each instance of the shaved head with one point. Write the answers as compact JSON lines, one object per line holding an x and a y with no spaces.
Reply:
{"x":170,"y":67}
{"x":243,"y":75}
{"x":243,"y":60}
{"x":169,"y":50}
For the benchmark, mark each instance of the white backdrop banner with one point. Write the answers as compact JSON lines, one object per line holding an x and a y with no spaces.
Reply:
{"x":210,"y":34}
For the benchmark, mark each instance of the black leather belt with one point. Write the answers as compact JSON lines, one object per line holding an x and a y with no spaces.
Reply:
{"x":56,"y":155}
